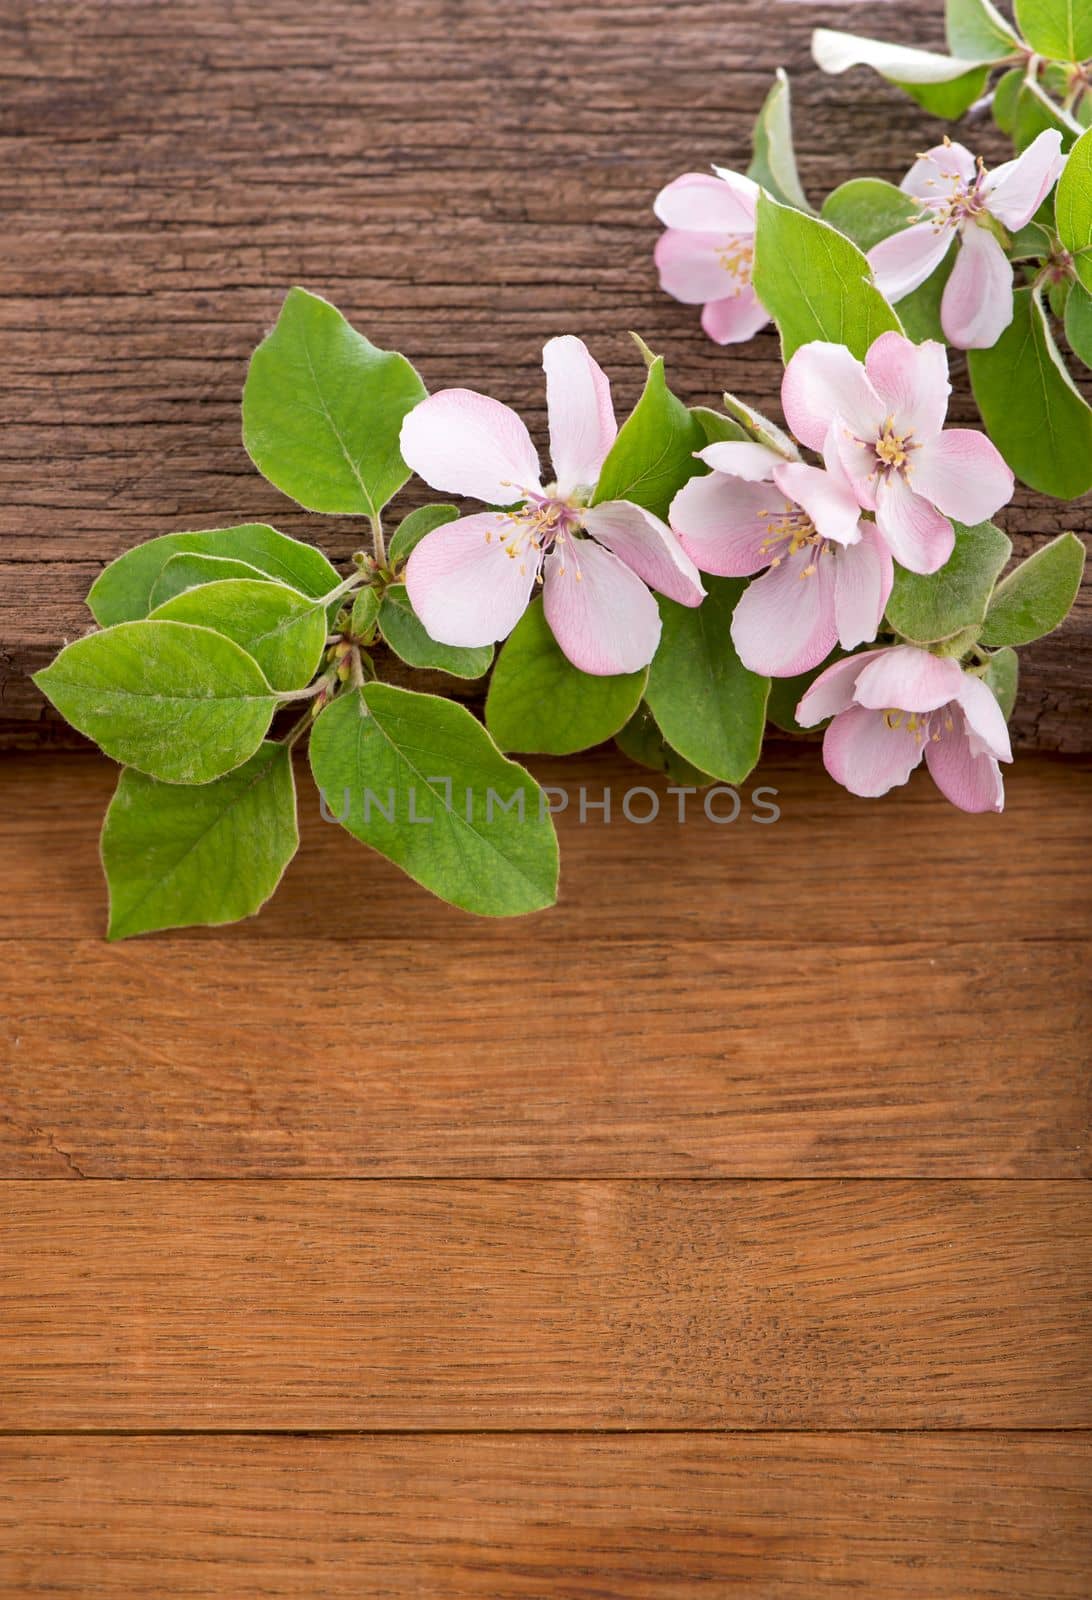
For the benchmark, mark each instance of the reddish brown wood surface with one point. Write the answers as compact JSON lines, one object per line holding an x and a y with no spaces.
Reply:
{"x":786,"y":1000}
{"x":785,"y":1517}
{"x":463,"y":179}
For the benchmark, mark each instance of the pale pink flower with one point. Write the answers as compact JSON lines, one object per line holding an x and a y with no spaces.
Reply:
{"x":828,"y":574}
{"x":958,"y":198}
{"x":707,"y":253}
{"x":470,"y":581}
{"x":887,"y":418}
{"x":891,"y":707}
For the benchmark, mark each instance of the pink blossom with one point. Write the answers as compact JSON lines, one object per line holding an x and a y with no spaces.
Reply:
{"x":470,"y":581}
{"x":886,"y":415}
{"x":891,"y":707}
{"x":706,"y":255}
{"x":958,"y":198}
{"x":827,"y":574}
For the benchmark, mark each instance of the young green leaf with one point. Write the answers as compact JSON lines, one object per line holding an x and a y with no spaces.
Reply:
{"x":323,"y":410}
{"x":716,"y":428}
{"x":708,"y":706}
{"x":977,"y":30}
{"x":284,"y":632}
{"x":642,"y":741}
{"x":1006,"y":93}
{"x":760,"y":428}
{"x":653,"y":455}
{"x":1032,"y":410}
{"x":1073,"y":206}
{"x":175,"y":701}
{"x":867,"y":210}
{"x":815,"y":282}
{"x":365,"y":612}
{"x":178,"y":857}
{"x":1078,"y":323}
{"x":1037,"y":595}
{"x":1002,"y":676}
{"x":1061,"y":30}
{"x":405,"y":633}
{"x":539,"y":703}
{"x":928,"y":608}
{"x":946,"y":86}
{"x":413,"y":528}
{"x":123,"y":591}
{"x":774,"y":162}
{"x":188,"y":570}
{"x":420,"y":780}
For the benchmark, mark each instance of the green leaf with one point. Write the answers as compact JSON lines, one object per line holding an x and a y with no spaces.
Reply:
{"x":815,"y":282}
{"x":1002,"y":676}
{"x":1073,"y":207}
{"x":406,"y":635}
{"x":919,"y":311}
{"x":716,"y":428}
{"x":1006,"y":93}
{"x":774,"y":162}
{"x":1036,"y":112}
{"x":928,"y":608}
{"x":413,"y":528}
{"x":943,"y":85}
{"x":976,"y":29}
{"x":188,"y":570}
{"x":123,"y":591}
{"x":384,"y":757}
{"x":1037,"y":595}
{"x":1032,"y":410}
{"x":1061,"y":30}
{"x":653,"y":455}
{"x":1078,"y":323}
{"x":708,"y":706}
{"x":365,"y":612}
{"x":175,"y":701}
{"x":867,"y":210}
{"x":285,"y":633}
{"x":540,"y":703}
{"x":642,"y":741}
{"x":323,"y":410}
{"x":177,"y":857}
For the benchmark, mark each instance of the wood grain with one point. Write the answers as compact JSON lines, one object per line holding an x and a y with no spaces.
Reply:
{"x":176,"y":1059}
{"x":415,"y":1305}
{"x":905,"y":1517}
{"x":832,"y":868}
{"x":462,"y":185}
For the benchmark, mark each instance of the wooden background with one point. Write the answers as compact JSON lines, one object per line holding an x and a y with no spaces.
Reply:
{"x":464,"y":178}
{"x":725,"y":1230}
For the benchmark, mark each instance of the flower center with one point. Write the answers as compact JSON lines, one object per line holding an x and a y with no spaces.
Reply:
{"x":736,"y":255}
{"x":964,"y":202}
{"x":790,"y":530}
{"x":528,"y":533}
{"x":893,"y":450}
{"x":924,"y":725}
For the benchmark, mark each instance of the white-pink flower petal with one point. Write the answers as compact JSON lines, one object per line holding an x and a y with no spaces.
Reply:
{"x":581,"y":416}
{"x":971,"y":782}
{"x":963,"y":474}
{"x":827,"y":498}
{"x":741,"y":458}
{"x":867,"y":754}
{"x":691,"y":266}
{"x":911,"y":381}
{"x":600,"y":613}
{"x":940,"y":171}
{"x":832,"y":690}
{"x":700,"y":203}
{"x":918,"y":536}
{"x":721,"y":526}
{"x":901,"y":263}
{"x":1016,"y":190}
{"x":466,"y":443}
{"x":736,"y":318}
{"x":465,"y":586}
{"x":986,"y":726}
{"x":863,"y":577}
{"x":905,"y":678}
{"x":648,"y":547}
{"x":784,"y":623}
{"x":822,"y":381}
{"x":976,"y":306}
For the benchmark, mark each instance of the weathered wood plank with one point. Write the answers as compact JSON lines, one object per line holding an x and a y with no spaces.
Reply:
{"x":409,"y":1305}
{"x":789,"y":1517}
{"x":462,"y":185}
